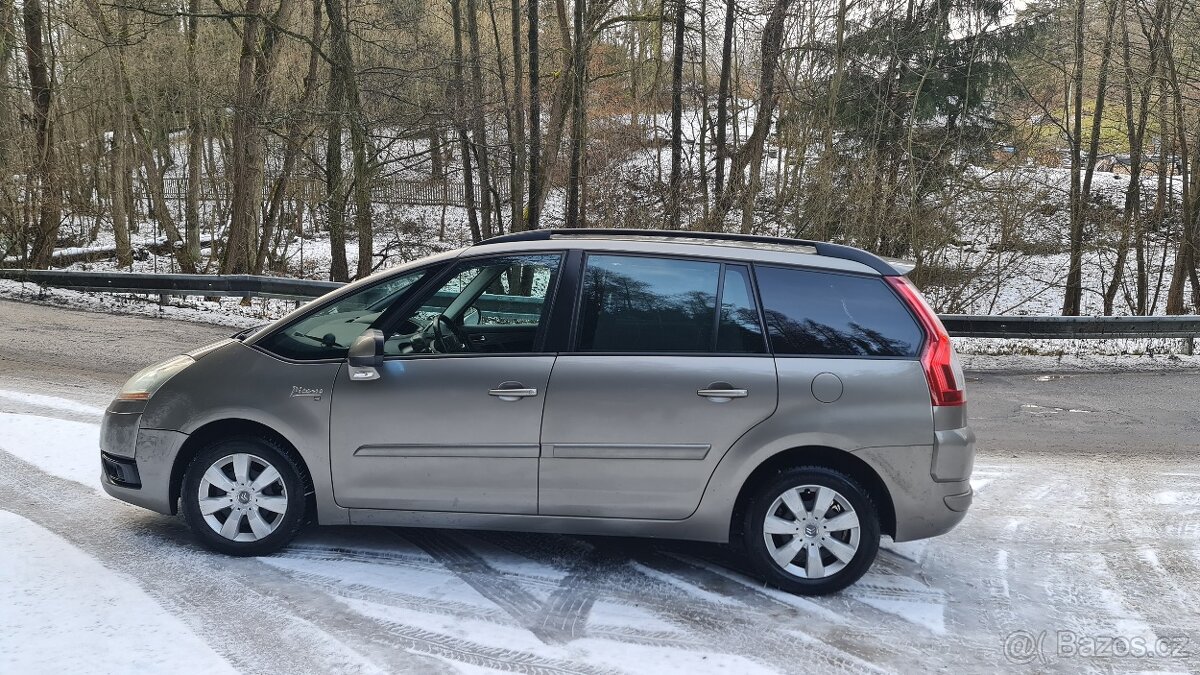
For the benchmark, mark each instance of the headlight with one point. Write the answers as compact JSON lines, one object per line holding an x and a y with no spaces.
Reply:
{"x":142,"y":386}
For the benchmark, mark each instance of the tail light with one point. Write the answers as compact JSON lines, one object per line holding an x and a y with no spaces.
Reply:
{"x":937,"y":358}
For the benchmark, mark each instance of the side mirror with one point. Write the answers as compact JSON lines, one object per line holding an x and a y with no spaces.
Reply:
{"x":471,"y":317}
{"x":366,"y":355}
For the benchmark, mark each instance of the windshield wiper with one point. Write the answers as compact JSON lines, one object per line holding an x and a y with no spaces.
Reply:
{"x":245,"y":332}
{"x":326,"y":341}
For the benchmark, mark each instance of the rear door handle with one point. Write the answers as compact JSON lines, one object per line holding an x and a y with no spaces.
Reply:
{"x":721,"y":392}
{"x":512,"y":391}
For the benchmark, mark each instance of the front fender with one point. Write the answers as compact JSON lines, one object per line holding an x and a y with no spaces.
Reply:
{"x":238,"y":382}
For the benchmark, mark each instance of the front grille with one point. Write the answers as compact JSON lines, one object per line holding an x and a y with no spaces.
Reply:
{"x":121,"y":471}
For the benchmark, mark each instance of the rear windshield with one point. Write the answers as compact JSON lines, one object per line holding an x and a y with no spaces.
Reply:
{"x":812,"y":313}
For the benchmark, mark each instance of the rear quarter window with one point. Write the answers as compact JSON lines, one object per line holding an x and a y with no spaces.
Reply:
{"x":812,"y":313}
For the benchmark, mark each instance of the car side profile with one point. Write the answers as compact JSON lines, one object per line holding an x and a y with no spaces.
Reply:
{"x":797,"y":399}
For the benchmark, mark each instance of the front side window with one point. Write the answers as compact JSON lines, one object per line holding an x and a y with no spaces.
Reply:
{"x":815,"y":313}
{"x":494,"y":305}
{"x":641,"y":304}
{"x":328,"y":332}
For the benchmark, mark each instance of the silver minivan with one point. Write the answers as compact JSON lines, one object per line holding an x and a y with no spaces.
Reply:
{"x":797,"y":399}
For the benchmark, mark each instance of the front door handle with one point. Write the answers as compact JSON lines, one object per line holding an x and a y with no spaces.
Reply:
{"x":512,"y":391}
{"x":721,"y":392}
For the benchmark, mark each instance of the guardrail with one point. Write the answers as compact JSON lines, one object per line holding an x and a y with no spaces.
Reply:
{"x":1071,"y":327}
{"x":234,"y":285}
{"x":250,"y":286}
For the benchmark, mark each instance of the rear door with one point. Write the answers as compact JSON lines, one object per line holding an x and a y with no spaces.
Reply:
{"x":658,"y":386}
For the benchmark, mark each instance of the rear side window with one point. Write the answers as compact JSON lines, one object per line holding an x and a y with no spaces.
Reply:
{"x":639,"y":304}
{"x":814,"y":313}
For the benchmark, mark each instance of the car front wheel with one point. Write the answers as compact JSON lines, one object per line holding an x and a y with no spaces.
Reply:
{"x":811,"y":530}
{"x":244,"y":496}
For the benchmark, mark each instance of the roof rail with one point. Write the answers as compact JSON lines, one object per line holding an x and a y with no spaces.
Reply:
{"x":823,"y":248}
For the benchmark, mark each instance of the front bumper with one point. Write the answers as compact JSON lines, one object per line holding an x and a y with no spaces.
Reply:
{"x":129,"y":451}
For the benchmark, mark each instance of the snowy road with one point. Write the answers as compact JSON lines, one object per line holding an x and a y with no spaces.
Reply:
{"x":1082,"y":552}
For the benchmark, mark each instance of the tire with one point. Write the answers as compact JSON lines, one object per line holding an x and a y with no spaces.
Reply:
{"x":844,"y":553}
{"x":266,"y":513}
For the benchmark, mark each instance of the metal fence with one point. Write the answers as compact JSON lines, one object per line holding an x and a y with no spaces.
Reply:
{"x":250,"y":286}
{"x":389,"y":190}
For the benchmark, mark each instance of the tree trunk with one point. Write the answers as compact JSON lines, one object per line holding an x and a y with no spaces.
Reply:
{"x":41,"y":90}
{"x":577,"y":118}
{"x":675,"y":187}
{"x":361,"y":163}
{"x":478,"y":123}
{"x":533,"y":211}
{"x":514,"y":121}
{"x":1185,"y":259}
{"x":517,"y":181}
{"x":195,"y":127}
{"x":8,"y":43}
{"x":118,"y":165}
{"x":437,"y":168}
{"x":240,"y":246}
{"x":460,"y":123}
{"x":335,"y":189}
{"x":1074,"y":289}
{"x":723,"y":93}
{"x":1135,"y":132}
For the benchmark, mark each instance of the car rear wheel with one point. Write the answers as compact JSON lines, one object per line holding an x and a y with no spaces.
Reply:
{"x":244,"y":496}
{"x":811,"y":530}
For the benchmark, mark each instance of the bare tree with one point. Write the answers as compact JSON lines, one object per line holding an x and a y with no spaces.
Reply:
{"x":533,"y":211}
{"x":41,"y":91}
{"x":675,"y":187}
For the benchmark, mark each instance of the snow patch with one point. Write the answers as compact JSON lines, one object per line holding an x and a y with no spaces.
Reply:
{"x":69,"y":450}
{"x":55,"y":402}
{"x":65,"y":612}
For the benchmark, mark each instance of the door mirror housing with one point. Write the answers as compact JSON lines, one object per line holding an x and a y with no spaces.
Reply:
{"x":472,"y":317}
{"x":366,"y":355}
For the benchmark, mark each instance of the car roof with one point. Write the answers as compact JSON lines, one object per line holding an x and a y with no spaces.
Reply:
{"x":749,"y":248}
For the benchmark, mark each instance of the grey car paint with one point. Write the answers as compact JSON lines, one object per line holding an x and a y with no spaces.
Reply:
{"x":597,"y":472}
{"x":429,"y":435}
{"x":648,"y":442}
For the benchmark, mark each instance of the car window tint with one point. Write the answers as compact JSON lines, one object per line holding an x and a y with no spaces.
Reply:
{"x":739,"y":330}
{"x":826,"y":314}
{"x":641,"y":304}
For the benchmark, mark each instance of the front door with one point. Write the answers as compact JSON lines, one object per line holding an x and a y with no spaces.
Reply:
{"x":453,"y":422}
{"x":658,"y":387}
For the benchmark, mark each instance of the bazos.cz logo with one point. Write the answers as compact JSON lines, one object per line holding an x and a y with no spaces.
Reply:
{"x":1023,"y":647}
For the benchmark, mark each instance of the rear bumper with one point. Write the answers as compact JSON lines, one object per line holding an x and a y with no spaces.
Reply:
{"x":929,"y":485}
{"x":960,"y":503}
{"x":136,"y":463}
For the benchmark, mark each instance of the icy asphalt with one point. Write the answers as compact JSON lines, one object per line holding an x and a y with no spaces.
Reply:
{"x":1082,"y":552}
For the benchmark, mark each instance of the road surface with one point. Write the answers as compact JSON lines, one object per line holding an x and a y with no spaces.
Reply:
{"x":1082,"y":550}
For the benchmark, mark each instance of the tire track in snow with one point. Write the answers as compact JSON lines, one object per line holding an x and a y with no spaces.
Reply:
{"x":560,"y":619}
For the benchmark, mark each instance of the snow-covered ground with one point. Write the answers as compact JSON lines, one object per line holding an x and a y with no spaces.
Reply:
{"x":1064,"y":547}
{"x":64,"y":611}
